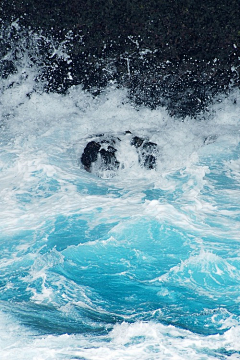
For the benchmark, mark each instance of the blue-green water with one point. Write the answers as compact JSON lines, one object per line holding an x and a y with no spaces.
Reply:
{"x":142,"y":265}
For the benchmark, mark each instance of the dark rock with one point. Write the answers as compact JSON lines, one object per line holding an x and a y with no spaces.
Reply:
{"x":90,"y":154}
{"x":108,"y":159}
{"x":147,"y":152}
{"x":101,"y":150}
{"x":149,"y":162}
{"x":101,"y":154}
{"x":137,"y":141}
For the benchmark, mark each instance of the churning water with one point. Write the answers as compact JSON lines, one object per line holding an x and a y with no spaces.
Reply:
{"x":141,"y":265}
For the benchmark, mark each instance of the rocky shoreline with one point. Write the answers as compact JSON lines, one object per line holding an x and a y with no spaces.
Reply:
{"x":175,"y":53}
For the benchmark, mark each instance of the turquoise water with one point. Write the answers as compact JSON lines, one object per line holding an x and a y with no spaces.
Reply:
{"x":142,"y":265}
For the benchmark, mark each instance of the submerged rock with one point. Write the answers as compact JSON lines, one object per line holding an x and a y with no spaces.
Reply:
{"x":90,"y":154}
{"x":101,"y":154}
{"x":147,"y":152}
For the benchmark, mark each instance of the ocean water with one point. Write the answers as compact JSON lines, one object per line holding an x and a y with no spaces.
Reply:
{"x":139,"y":264}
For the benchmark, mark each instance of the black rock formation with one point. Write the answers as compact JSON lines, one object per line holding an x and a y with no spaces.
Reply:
{"x":101,"y":154}
{"x":101,"y":151}
{"x":147,"y":152}
{"x":90,"y":154}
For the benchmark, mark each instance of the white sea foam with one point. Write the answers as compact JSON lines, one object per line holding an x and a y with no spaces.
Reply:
{"x":126,"y":341}
{"x":194,"y":192}
{"x":50,"y":130}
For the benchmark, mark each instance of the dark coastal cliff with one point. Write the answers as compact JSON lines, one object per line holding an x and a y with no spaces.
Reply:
{"x":176,"y":53}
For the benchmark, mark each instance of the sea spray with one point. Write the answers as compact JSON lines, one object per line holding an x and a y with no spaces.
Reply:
{"x":144,"y":264}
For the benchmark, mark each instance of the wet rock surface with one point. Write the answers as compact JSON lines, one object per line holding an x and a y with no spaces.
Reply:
{"x":175,"y":53}
{"x":101,"y":150}
{"x":147,"y":152}
{"x":102,"y":153}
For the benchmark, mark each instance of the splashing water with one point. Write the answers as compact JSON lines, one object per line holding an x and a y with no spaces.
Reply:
{"x":142,"y":265}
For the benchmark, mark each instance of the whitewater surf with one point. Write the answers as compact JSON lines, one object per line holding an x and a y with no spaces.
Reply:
{"x":139,"y":264}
